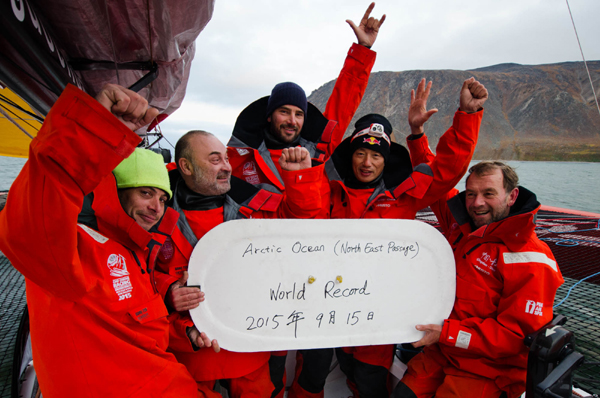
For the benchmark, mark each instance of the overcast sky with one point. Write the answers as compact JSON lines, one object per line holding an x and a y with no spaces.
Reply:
{"x":249,"y":46}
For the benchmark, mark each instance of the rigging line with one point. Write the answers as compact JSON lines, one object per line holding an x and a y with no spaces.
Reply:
{"x":112,"y":43}
{"x":582,"y":56}
{"x":15,"y":116}
{"x":2,"y":111}
{"x":38,"y":81}
{"x":163,"y":136}
{"x":20,"y":108}
{"x":572,"y":287}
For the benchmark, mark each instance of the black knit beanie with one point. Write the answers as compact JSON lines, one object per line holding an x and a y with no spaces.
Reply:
{"x":373,"y":132}
{"x":287,"y":93}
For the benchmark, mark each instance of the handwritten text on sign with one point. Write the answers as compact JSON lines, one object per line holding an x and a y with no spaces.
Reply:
{"x":291,"y":284}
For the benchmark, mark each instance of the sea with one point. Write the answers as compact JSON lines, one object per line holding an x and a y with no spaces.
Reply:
{"x":570,"y":185}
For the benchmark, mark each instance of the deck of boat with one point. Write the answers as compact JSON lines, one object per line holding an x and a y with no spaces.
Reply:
{"x":12,"y":304}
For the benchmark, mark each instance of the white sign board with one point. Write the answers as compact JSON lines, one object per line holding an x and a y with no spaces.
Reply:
{"x":372,"y":282}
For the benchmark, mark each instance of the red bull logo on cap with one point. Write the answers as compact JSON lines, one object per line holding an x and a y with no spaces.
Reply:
{"x":372,"y":141}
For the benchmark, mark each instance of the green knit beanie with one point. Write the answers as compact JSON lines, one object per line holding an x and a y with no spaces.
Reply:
{"x":143,"y":168}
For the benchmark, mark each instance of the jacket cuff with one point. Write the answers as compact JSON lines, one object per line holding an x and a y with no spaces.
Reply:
{"x":306,"y":176}
{"x":452,"y":335}
{"x":464,"y":121}
{"x":163,"y":282}
{"x":417,"y":143}
{"x":361,"y":53}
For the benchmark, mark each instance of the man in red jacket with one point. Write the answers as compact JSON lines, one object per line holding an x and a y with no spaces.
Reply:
{"x":206,"y":195}
{"x":285,"y":118}
{"x":98,"y":326}
{"x":372,"y":177}
{"x":506,"y":279}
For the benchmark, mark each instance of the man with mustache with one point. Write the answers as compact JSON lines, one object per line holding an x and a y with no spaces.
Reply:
{"x":98,"y":326}
{"x":206,"y":195}
{"x":285,"y":119}
{"x":506,"y":280}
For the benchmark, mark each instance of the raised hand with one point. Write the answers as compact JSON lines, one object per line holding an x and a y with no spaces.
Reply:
{"x":128,"y":106}
{"x":417,"y":112}
{"x":367,"y":31}
{"x":183,"y":298}
{"x":432,"y":334}
{"x":472,"y":96}
{"x":296,"y":158}
{"x":200,"y":339}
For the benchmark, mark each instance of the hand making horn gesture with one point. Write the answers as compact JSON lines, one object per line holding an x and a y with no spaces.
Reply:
{"x":367,"y":31}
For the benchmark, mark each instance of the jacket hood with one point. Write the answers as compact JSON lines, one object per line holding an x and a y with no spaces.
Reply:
{"x":397,"y":168}
{"x":514,"y":229}
{"x":252,"y":122}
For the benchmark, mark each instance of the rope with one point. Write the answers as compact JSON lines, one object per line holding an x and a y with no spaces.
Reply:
{"x":572,"y":287}
{"x":582,"y":56}
{"x":112,"y":44}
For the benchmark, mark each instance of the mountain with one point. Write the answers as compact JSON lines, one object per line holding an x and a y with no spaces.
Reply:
{"x":534,"y":112}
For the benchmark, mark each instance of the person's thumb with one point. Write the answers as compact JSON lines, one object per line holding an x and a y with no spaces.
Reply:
{"x":352,"y":25}
{"x":183,"y":280}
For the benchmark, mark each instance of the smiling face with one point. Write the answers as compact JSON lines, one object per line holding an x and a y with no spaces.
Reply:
{"x":208,"y":171}
{"x":486,"y":198}
{"x":286,"y":123}
{"x":367,"y":164}
{"x":145,"y":205}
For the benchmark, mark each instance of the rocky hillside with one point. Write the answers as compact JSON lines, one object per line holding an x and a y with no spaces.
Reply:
{"x":535,"y":112}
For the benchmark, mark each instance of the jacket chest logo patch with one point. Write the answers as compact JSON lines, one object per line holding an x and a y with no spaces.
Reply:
{"x":118,"y":270}
{"x":534,"y":307}
{"x":249,"y":169}
{"x":116,"y":265}
{"x":242,"y":152}
{"x":166,"y":251}
{"x":485,"y":263}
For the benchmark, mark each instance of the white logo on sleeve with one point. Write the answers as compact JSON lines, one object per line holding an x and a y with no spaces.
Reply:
{"x":534,"y":307}
{"x":463,"y":340}
{"x":242,"y":152}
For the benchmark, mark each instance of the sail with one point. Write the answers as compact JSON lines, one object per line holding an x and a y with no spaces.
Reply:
{"x":18,"y":125}
{"x":47,"y":44}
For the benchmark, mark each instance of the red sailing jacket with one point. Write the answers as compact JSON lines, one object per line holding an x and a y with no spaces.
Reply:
{"x":253,"y":162}
{"x":506,"y":279}
{"x":98,"y":326}
{"x":301,"y":200}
